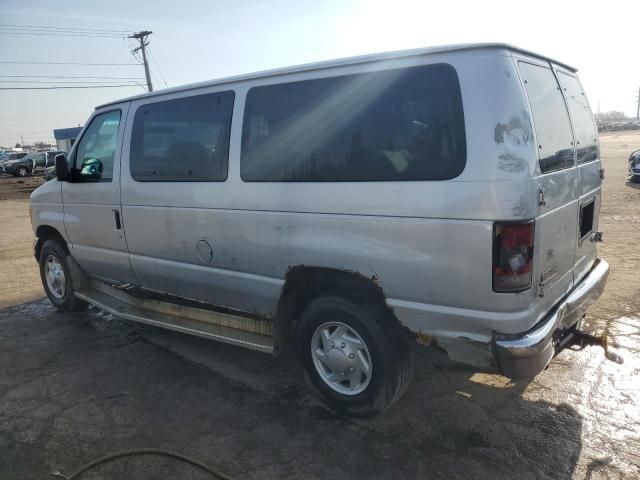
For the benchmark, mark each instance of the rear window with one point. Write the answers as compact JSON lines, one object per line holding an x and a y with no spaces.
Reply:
{"x":550,"y":118}
{"x":182,"y":140}
{"x":404,"y":124}
{"x":584,"y":128}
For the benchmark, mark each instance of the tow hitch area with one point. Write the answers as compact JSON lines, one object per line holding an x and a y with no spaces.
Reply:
{"x":577,"y":340}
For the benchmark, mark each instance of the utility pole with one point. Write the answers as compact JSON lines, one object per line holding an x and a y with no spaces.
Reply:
{"x":142,"y":38}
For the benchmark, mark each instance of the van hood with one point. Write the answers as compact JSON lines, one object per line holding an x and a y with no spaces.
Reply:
{"x":49,"y":192}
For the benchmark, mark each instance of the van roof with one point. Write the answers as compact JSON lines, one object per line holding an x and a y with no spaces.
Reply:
{"x":374,"y":57}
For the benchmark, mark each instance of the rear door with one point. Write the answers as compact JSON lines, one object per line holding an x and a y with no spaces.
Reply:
{"x":92,"y":209}
{"x":557,"y":182}
{"x":589,"y":181}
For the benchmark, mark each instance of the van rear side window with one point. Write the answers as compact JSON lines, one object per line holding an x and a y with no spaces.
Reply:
{"x":182,"y":140}
{"x":584,"y":127}
{"x":550,"y":118}
{"x":403,"y":124}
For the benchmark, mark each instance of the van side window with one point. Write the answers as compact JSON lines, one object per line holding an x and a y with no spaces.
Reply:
{"x":550,"y":118}
{"x":182,"y":140}
{"x":97,"y":148}
{"x":403,"y":124}
{"x":584,"y":127}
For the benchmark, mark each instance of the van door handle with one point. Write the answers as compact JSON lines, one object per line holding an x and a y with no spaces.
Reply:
{"x":118,"y":223}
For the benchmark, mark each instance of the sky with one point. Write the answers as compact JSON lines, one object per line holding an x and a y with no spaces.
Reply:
{"x":200,"y":40}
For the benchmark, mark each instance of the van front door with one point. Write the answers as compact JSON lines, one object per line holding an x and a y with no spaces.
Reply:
{"x":92,"y":211}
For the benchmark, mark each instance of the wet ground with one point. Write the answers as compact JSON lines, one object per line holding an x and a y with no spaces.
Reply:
{"x":74,"y":387}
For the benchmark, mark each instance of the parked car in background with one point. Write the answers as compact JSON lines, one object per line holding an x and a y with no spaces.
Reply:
{"x":634,"y":167}
{"x":9,"y":156}
{"x":30,"y":164}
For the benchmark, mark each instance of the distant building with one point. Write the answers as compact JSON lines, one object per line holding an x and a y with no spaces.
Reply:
{"x":65,"y":137}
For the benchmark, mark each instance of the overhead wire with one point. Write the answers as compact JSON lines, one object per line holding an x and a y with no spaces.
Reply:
{"x":50,"y":27}
{"x":67,"y":76}
{"x":67,"y":87}
{"x":56,"y":34}
{"x":60,"y":114}
{"x":64,"y":82}
{"x":14,"y":29}
{"x":69,"y":63}
{"x":153,"y":57}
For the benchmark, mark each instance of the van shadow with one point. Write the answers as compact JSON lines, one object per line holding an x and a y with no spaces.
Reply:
{"x":631,"y":184}
{"x":484,"y":425}
{"x":451,"y":420}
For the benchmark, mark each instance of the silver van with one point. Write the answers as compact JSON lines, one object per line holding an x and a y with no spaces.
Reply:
{"x":343,"y":211}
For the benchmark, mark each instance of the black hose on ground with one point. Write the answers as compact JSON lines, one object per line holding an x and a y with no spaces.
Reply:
{"x":143,"y":451}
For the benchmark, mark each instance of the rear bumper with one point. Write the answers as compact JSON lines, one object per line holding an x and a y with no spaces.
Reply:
{"x":525,"y":355}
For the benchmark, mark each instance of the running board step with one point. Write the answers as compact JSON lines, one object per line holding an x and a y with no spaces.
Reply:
{"x":246,"y":332}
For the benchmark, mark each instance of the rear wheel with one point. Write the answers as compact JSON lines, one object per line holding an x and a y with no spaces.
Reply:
{"x":56,"y":278}
{"x":22,"y":172}
{"x":355,"y":355}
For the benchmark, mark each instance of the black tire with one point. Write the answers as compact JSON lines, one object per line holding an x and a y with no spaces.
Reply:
{"x":387,"y":343}
{"x":22,"y":172}
{"x":67,"y":302}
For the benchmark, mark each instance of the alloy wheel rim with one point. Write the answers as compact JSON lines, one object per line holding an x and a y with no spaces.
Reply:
{"x":54,"y":276}
{"x":341,"y":358}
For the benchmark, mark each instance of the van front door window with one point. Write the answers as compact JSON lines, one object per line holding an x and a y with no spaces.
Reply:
{"x":95,"y":152}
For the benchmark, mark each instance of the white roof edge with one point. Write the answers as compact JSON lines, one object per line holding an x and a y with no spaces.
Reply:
{"x":369,"y":58}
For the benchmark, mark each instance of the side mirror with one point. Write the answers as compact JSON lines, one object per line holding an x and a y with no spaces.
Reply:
{"x":91,"y":169}
{"x":62,"y":169}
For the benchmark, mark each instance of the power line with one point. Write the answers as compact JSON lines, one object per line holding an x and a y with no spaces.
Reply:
{"x":47,"y":27}
{"x":64,"y":82}
{"x":45,"y":126}
{"x":66,"y":76}
{"x":56,"y":34}
{"x":152,"y":56}
{"x":44,"y":115}
{"x":58,"y":88}
{"x":59,"y":32}
{"x":70,"y":63}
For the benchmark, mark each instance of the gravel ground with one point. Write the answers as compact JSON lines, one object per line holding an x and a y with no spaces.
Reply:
{"x":74,"y":387}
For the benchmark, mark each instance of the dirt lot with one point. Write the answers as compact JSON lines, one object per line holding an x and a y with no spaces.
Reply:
{"x":18,"y":267}
{"x":76,"y":387}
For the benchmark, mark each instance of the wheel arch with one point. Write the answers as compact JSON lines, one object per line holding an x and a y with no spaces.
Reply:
{"x":47,"y":232}
{"x":305,"y":283}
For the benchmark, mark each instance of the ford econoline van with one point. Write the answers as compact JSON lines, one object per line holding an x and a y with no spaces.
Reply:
{"x":342,"y":211}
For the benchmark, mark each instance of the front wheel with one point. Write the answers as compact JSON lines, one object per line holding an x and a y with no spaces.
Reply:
{"x":356,"y":355}
{"x":56,"y":278}
{"x":22,"y":172}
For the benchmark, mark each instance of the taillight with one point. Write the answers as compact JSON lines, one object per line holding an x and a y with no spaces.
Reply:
{"x":512,"y":256}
